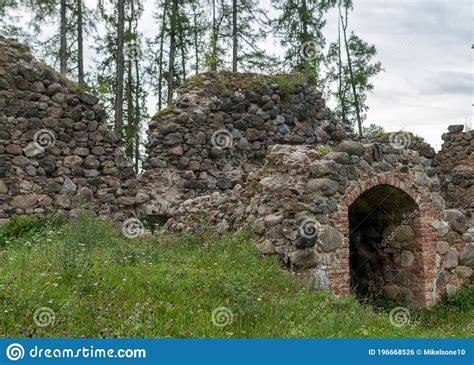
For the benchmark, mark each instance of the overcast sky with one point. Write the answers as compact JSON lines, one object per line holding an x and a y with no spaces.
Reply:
{"x":424,"y":47}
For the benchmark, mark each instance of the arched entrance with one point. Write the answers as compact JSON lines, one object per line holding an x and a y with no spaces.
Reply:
{"x":385,"y":249}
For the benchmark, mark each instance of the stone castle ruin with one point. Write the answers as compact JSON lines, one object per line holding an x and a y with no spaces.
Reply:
{"x":382,"y":218}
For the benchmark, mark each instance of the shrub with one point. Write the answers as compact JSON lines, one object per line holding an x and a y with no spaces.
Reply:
{"x":29,"y":226}
{"x":463,"y":300}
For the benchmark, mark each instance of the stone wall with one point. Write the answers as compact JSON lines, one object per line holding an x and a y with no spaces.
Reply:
{"x":221,"y":124}
{"x":56,"y":151}
{"x":298,"y":205}
{"x":455,"y":168}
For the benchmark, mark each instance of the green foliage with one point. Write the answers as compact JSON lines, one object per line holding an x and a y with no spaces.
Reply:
{"x":101,"y":284}
{"x":325,"y":150}
{"x":350,"y":68}
{"x":288,"y":82}
{"x":300,"y":26}
{"x":372,"y":131}
{"x":163,"y":112}
{"x":385,"y":136}
{"x":461,"y":301}
{"x":21,"y":226}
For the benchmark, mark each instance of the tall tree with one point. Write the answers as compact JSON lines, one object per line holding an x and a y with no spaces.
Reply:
{"x":237,"y":28}
{"x":300,"y":26}
{"x":63,"y":38}
{"x":118,"y":120}
{"x":351,"y":66}
{"x":199,"y":29}
{"x":133,"y":105}
{"x":172,"y":50}
{"x":357,"y":106}
{"x":234,"y":36}
{"x":214,"y":55}
{"x":135,"y":94}
{"x":156,"y":60}
{"x":80,"y":43}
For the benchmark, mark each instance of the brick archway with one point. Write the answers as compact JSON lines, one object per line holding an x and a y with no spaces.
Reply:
{"x":424,"y":245}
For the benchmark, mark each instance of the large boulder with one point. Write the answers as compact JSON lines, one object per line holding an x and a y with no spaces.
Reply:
{"x":24,"y":201}
{"x":327,"y":187}
{"x":456,"y":220}
{"x":304,"y":259}
{"x":467,"y":256}
{"x":351,"y":147}
{"x":456,"y":128}
{"x":330,"y":239}
{"x":451,"y":259}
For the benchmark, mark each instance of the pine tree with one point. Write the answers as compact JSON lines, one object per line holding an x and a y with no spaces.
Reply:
{"x":351,"y":66}
{"x":80,"y":42}
{"x":174,"y":18}
{"x":215,"y":53}
{"x":156,"y":54}
{"x":181,"y":32}
{"x":300,"y":26}
{"x":133,"y":95}
{"x":63,"y":48}
{"x":63,"y":38}
{"x":119,"y":70}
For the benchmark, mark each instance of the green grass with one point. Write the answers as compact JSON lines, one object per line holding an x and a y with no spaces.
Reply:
{"x":101,"y":284}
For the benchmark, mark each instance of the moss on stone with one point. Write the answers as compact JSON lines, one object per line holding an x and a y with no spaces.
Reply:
{"x":385,"y":136}
{"x":163,"y":112}
{"x":224,"y":83}
{"x":325,"y":150}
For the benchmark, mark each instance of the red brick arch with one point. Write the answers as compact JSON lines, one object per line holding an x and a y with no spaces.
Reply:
{"x":426,"y":237}
{"x":357,"y":189}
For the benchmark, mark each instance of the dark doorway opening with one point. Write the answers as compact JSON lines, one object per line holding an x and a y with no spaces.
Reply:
{"x":383,"y":244}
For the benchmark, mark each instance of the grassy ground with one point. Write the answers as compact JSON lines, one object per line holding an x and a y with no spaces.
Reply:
{"x":101,"y":284}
